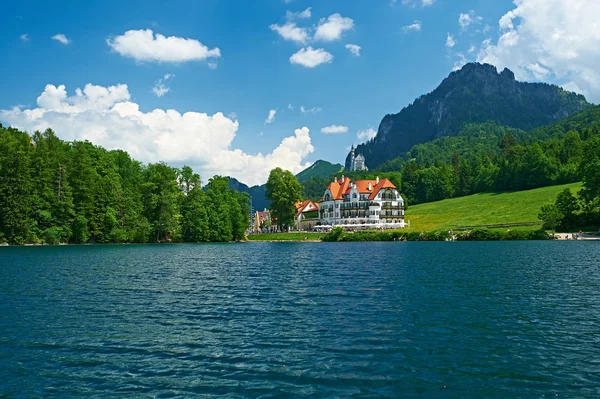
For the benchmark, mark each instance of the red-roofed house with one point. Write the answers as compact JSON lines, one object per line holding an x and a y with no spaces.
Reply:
{"x":307,"y":215}
{"x":363,"y":202}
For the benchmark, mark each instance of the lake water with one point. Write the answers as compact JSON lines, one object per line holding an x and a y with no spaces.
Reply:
{"x":455,"y":320}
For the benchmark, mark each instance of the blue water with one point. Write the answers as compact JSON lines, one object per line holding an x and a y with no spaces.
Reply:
{"x":448,"y":320}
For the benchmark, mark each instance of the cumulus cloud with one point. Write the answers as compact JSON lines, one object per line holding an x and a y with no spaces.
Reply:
{"x":310,"y":58}
{"x":554,"y":40}
{"x":334,"y":129}
{"x":450,"y":42}
{"x":61,"y":38}
{"x":332,"y":28}
{"x":160,"y":87}
{"x":145,"y":46}
{"x":299,"y":15}
{"x":366,"y":134}
{"x":414,"y":27}
{"x":354,"y":49}
{"x":271,"y":116}
{"x":464,"y":20}
{"x":290,"y":31}
{"x":107,"y":117}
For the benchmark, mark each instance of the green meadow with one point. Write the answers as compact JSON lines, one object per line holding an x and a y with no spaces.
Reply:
{"x":484,"y":209}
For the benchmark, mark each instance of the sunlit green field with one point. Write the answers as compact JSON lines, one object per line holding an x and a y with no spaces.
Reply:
{"x":484,"y":209}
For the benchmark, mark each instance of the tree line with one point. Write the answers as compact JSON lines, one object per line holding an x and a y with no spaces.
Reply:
{"x":54,"y":191}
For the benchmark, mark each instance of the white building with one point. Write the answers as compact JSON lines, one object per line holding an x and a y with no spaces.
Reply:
{"x":368,"y":203}
{"x":357,"y":162}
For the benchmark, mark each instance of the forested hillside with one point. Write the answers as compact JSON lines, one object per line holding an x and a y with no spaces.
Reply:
{"x":492,"y":158}
{"x":56,"y":192}
{"x":475,"y":94}
{"x":321,"y":169}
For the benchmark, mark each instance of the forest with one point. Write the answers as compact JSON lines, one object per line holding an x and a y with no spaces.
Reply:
{"x":54,"y":191}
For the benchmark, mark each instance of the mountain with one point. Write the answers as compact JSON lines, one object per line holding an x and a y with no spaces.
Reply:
{"x":475,"y":94}
{"x":320,"y":168}
{"x":257,"y":193}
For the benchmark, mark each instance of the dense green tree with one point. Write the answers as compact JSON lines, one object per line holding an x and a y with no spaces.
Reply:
{"x":568,"y":206}
{"x":283,"y":191}
{"x":15,"y":186}
{"x":551,"y":217}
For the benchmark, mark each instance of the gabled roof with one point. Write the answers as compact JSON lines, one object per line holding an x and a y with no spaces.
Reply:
{"x":383,"y":183}
{"x":339,"y":189}
{"x":305,"y":206}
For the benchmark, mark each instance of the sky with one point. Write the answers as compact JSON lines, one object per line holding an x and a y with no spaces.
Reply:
{"x":238,"y":87}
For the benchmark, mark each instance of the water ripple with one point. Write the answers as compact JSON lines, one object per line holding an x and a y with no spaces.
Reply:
{"x":448,"y":320}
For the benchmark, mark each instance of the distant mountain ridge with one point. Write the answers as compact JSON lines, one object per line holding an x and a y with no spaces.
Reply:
{"x":320,"y":168}
{"x":475,"y":94}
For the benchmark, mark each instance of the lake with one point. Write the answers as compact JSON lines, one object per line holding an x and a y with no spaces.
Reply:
{"x":449,"y":320}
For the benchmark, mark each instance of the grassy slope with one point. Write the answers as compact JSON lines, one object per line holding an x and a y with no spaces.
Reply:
{"x":483,"y":209}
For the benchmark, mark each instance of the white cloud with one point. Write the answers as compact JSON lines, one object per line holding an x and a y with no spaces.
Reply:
{"x":450,"y":42}
{"x":354,"y":49}
{"x":414,"y":27}
{"x":414,"y":3}
{"x":213,"y":65}
{"x":145,"y":46}
{"x":290,"y":31}
{"x":160,"y":87}
{"x":106,"y":116}
{"x":334,"y":129}
{"x":61,"y":38}
{"x":290,"y":106}
{"x":366,"y":134}
{"x":306,"y":14}
{"x":464,"y":20}
{"x":333,"y":27}
{"x":553,"y":40}
{"x":24,"y":37}
{"x":310,"y":58}
{"x":271,"y":116}
{"x":460,"y":62}
{"x":312,"y":110}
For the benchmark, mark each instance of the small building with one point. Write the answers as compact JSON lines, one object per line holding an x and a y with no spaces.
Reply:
{"x":362,"y":204}
{"x":307,"y":215}
{"x":262,"y":222}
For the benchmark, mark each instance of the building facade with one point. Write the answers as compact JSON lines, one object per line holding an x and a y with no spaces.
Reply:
{"x":363,"y":203}
{"x":307,"y":215}
{"x":262,"y":222}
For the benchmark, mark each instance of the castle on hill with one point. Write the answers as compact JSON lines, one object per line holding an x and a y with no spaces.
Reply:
{"x":355,"y":162}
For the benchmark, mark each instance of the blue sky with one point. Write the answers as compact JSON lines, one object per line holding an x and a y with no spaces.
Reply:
{"x":236,"y":58}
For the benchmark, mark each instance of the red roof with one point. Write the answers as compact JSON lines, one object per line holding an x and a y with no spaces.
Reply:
{"x":305,"y":206}
{"x":343,"y":187}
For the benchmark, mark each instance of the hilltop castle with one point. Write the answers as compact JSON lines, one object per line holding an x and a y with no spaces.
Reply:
{"x":355,"y":162}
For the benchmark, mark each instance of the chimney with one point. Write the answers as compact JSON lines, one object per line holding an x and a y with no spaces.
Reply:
{"x":335,"y":179}
{"x":370,"y":186}
{"x":377,"y":180}
{"x":343,"y":179}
